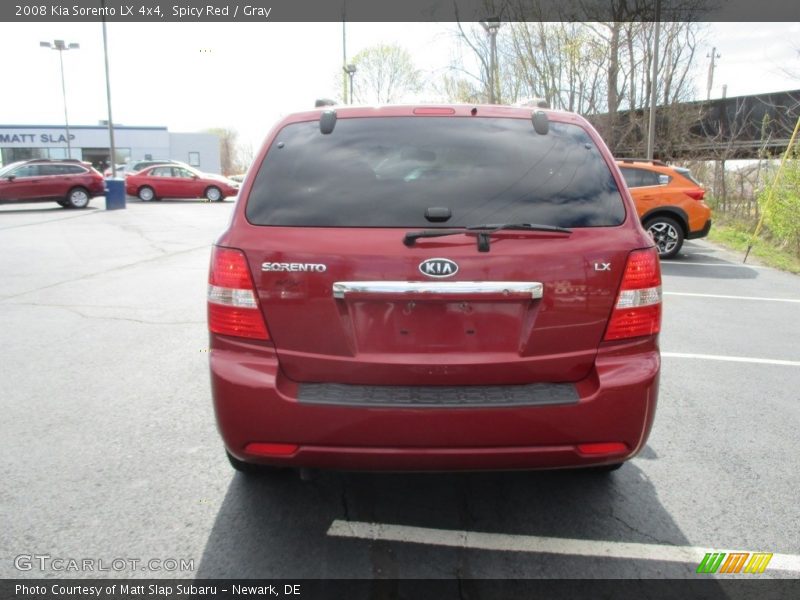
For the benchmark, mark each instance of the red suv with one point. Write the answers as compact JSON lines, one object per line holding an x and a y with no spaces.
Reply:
{"x":71,"y":183}
{"x":434,"y":288}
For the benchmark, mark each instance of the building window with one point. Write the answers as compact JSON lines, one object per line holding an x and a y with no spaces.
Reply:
{"x":9,"y":155}
{"x":194,"y":159}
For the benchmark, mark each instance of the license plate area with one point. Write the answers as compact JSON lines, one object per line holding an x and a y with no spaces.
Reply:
{"x":439,"y":326}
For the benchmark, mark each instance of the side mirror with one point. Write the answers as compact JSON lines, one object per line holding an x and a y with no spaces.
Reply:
{"x":194,"y":176}
{"x":11,"y":177}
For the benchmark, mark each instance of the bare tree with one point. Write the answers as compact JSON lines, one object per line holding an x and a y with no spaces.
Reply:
{"x":385,"y":74}
{"x":233,"y":157}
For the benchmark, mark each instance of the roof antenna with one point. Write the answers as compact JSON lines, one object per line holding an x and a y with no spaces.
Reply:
{"x":327,"y":121}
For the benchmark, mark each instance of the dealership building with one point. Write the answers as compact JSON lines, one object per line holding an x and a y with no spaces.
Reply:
{"x":91,"y":143}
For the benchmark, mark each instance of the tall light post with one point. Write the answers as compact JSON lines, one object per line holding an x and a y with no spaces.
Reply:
{"x":651,"y":128}
{"x":351,"y":71}
{"x":492,"y":26}
{"x":61,"y":46}
{"x":108,"y":99}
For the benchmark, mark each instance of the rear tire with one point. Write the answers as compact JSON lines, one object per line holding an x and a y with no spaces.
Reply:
{"x":667,"y":234}
{"x":214,"y":194}
{"x":63,"y":203}
{"x":146,"y":194}
{"x":78,"y":197}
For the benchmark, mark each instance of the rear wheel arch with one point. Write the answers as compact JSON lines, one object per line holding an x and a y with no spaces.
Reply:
{"x":672,"y":212}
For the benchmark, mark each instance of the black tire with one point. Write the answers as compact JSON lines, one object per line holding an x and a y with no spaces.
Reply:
{"x":214,"y":194}
{"x":63,"y":203}
{"x":667,"y":234}
{"x":146,"y":193}
{"x":78,"y":197}
{"x":254,"y":470}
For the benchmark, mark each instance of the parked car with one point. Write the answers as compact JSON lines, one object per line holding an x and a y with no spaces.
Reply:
{"x":174,"y":181}
{"x":669,"y":202}
{"x":71,"y":183}
{"x":434,"y":288}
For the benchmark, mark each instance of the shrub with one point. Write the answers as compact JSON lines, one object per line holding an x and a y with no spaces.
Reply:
{"x":782,"y":212}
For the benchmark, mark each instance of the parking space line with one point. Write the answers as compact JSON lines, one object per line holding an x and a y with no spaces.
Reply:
{"x":732,"y":297}
{"x":738,"y":359}
{"x":504,"y":542}
{"x":665,"y":263}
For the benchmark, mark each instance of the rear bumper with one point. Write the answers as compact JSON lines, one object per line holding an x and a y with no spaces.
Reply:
{"x":256,"y":404}
{"x":701,"y":233}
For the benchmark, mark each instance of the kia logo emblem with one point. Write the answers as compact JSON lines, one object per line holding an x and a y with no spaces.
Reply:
{"x":438,"y":267}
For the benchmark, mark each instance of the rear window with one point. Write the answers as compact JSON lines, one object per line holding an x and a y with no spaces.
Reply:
{"x":61,"y":170}
{"x":688,"y":174}
{"x":386,"y":171}
{"x":640,"y":177}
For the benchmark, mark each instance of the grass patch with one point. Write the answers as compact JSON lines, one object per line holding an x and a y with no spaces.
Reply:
{"x":737,"y":237}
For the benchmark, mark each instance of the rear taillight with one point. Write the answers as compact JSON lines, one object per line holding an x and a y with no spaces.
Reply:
{"x":696,"y":194}
{"x":638,"y":308}
{"x":232,"y":304}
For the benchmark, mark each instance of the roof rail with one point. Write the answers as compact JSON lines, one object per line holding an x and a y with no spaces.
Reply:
{"x":652,"y":161}
{"x":56,"y":160}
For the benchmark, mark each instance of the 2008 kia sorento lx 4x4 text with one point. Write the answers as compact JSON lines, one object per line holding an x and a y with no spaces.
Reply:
{"x":434,"y":288}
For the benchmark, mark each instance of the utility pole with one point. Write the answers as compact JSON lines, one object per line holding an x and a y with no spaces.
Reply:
{"x":651,"y":130}
{"x":713,"y":56}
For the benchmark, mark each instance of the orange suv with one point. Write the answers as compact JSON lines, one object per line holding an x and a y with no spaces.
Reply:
{"x":669,"y":202}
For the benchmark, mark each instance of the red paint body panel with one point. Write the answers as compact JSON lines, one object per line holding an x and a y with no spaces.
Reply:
{"x":435,"y":340}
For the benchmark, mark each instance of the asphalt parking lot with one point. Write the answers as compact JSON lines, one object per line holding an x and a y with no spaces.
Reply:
{"x":110,"y":449}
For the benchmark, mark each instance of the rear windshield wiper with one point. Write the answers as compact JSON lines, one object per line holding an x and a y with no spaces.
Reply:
{"x":484,"y":232}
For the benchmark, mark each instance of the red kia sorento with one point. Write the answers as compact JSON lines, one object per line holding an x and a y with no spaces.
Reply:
{"x":434,"y":288}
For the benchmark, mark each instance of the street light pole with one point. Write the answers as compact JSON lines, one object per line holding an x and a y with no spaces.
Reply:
{"x":108,"y":99}
{"x":344,"y":56}
{"x":651,"y":130}
{"x":351,"y":71}
{"x":61,"y":46}
{"x":492,"y":26}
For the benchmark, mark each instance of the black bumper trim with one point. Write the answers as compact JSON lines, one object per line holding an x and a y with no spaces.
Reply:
{"x":468,"y":396}
{"x":693,"y":235}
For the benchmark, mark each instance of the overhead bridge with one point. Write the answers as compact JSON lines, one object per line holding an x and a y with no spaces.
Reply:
{"x":741,"y":127}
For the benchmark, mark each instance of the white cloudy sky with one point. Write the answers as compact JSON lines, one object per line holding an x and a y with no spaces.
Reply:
{"x":250,"y":73}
